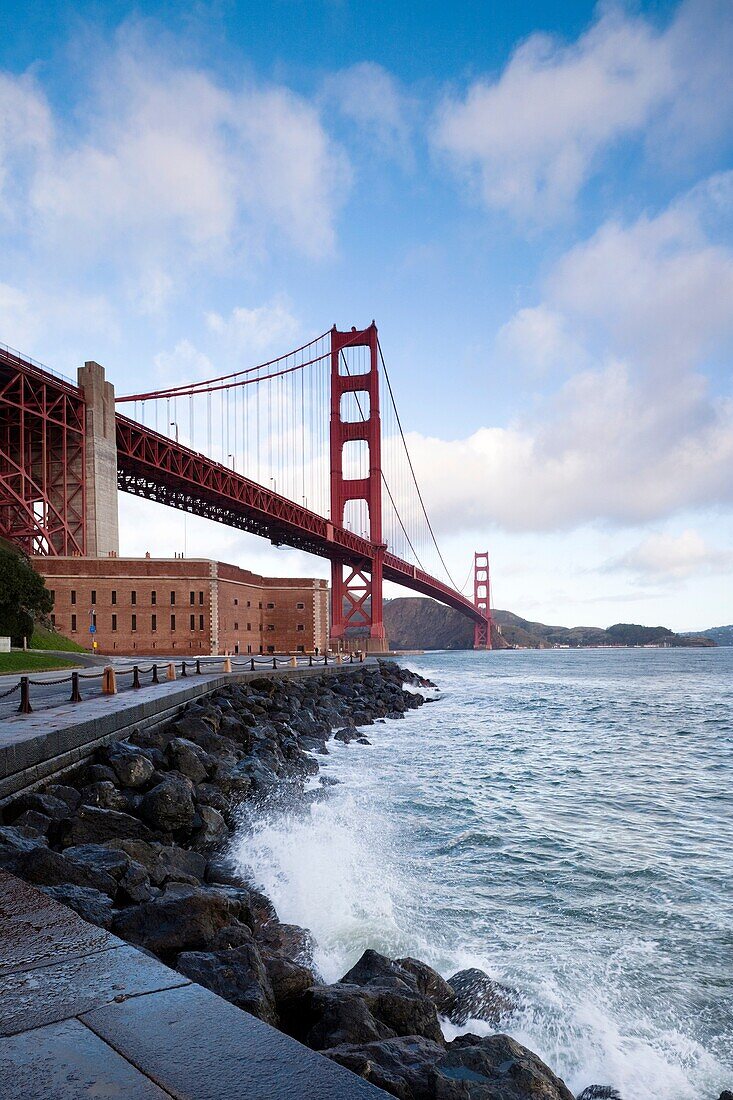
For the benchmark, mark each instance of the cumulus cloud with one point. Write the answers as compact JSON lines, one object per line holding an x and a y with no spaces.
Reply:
{"x":665,"y":557}
{"x":637,"y":433}
{"x":370,"y":98}
{"x":164,"y":166}
{"x":251,"y":333}
{"x":531,"y":138}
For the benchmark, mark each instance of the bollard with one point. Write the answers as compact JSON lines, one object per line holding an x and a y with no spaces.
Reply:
{"x":135,"y":676}
{"x":227,"y":664}
{"x":325,"y":658}
{"x":351,"y":658}
{"x":25,"y":696}
{"x":75,"y":696}
{"x":109,"y":681}
{"x":252,"y":665}
{"x":198,"y":667}
{"x":274,"y":662}
{"x":155,"y":679}
{"x":171,"y":673}
{"x":183,"y":669}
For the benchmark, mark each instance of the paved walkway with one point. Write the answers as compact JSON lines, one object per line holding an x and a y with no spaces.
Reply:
{"x":84,"y":1015}
{"x":34,"y":746}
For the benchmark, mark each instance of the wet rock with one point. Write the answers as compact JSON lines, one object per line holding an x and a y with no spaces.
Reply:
{"x":189,"y":759}
{"x":45,"y":867}
{"x":100,"y":858}
{"x":289,"y":979}
{"x":497,"y":1066}
{"x":94,"y":825}
{"x":17,"y":838}
{"x":429,"y":983}
{"x":169,"y":806}
{"x":134,"y":885}
{"x":479,"y":997}
{"x":175,"y":862}
{"x":401,"y":1066}
{"x":234,"y":935}
{"x":32,"y":819}
{"x":289,"y":940}
{"x":100,"y":773}
{"x":212,"y":832}
{"x":332,"y":1015}
{"x":103,"y":794}
{"x":238,"y":975}
{"x":363,"y":741}
{"x":184,"y":921}
{"x":373,"y":969}
{"x":132,"y":769}
{"x":46,"y":804}
{"x":67,"y":794}
{"x":206,"y":794}
{"x":607,"y":1092}
{"x":92,"y":905}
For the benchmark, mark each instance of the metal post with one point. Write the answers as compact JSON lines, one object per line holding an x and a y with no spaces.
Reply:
{"x":183,"y":669}
{"x":155,"y":679}
{"x":252,"y":665}
{"x":135,"y":676}
{"x":198,"y":667}
{"x":25,"y":696}
{"x":75,"y":696}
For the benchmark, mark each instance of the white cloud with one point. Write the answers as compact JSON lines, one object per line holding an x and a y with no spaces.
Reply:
{"x":635,"y":435}
{"x":185,"y":363}
{"x":48,"y":321}
{"x":370,"y":98}
{"x":531,"y":138}
{"x":164,"y":167}
{"x":537,"y":338}
{"x":251,"y":333}
{"x":666,"y":557}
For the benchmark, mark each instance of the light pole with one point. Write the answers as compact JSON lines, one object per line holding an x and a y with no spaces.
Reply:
{"x":175,"y":425}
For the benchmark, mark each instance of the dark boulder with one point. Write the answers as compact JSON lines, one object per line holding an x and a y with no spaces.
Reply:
{"x":67,"y":794}
{"x":100,"y":773}
{"x":497,"y":1068}
{"x":132,"y":769}
{"x":401,"y":1066}
{"x":103,"y":794}
{"x":373,"y":969}
{"x":238,"y":975}
{"x":47,"y":804}
{"x":94,"y":825}
{"x":331,"y":1015}
{"x":32,"y":819}
{"x":607,"y":1092}
{"x":169,"y":805}
{"x":479,"y":997}
{"x":212,"y":832}
{"x":90,"y":904}
{"x":99,"y":857}
{"x":429,"y":983}
{"x":189,"y":759}
{"x":45,"y":867}
{"x":182,"y":921}
{"x":289,"y":979}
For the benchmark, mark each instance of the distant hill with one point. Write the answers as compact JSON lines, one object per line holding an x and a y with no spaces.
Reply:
{"x":420,"y":623}
{"x":721,"y":635}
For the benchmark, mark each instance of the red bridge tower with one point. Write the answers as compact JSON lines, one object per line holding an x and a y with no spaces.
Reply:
{"x":482,"y":600}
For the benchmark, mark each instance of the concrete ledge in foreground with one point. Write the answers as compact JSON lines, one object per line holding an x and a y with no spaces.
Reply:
{"x":83,"y":1014}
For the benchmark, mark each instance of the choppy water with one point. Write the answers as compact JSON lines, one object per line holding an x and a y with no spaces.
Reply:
{"x":561,"y":819}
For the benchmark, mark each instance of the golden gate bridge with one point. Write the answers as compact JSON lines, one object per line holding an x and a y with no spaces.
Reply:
{"x":306,"y":449}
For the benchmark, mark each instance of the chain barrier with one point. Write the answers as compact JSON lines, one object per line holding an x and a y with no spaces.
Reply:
{"x":25,"y":683}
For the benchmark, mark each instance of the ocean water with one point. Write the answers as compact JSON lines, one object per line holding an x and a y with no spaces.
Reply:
{"x":563,"y":820}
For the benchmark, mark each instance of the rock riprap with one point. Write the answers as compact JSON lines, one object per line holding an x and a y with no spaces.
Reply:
{"x":135,"y":841}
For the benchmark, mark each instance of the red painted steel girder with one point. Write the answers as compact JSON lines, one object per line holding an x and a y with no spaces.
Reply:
{"x":152,"y":466}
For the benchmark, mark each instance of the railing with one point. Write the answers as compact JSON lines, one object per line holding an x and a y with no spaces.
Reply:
{"x":171,"y":670}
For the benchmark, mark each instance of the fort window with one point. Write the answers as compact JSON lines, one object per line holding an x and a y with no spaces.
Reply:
{"x":270,"y":626}
{"x":270,"y":649}
{"x":73,"y":623}
{"x":270,"y":606}
{"x":53,"y":621}
{"x":193,"y":622}
{"x":73,"y":595}
{"x":173,"y":599}
{"x":300,"y":607}
{"x":153,"y":623}
{"x":114,"y":596}
{"x":201,"y":597}
{"x":236,"y":626}
{"x":192,"y":597}
{"x":301,"y":649}
{"x":201,"y":622}
{"x":133,"y":597}
{"x":249,"y":626}
{"x":301,"y":626}
{"x":153,"y":597}
{"x":94,"y":596}
{"x":134,"y":622}
{"x":114,"y":622}
{"x":236,"y":602}
{"x":173,"y":622}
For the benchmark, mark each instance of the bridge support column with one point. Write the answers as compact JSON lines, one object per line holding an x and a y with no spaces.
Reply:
{"x":482,"y":600}
{"x":356,"y":587}
{"x":102,"y":522}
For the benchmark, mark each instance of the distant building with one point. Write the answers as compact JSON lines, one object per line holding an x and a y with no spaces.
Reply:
{"x":183,"y":605}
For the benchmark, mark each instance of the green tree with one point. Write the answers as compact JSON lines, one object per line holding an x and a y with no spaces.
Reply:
{"x":24,"y":597}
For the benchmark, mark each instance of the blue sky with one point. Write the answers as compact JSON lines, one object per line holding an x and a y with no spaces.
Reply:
{"x":533,"y":200}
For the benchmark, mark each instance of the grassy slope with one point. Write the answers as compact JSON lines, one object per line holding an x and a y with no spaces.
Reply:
{"x":49,"y":639}
{"x":31,"y":662}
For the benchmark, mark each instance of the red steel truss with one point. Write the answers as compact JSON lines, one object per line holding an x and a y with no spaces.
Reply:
{"x":42,"y":468}
{"x":153,"y":466}
{"x":482,"y":601}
